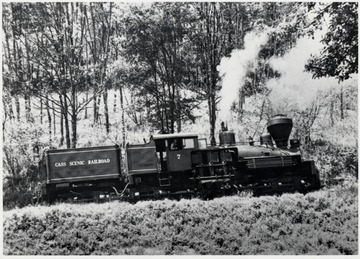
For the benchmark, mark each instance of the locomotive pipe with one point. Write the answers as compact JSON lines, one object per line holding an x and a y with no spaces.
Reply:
{"x":120,"y":194}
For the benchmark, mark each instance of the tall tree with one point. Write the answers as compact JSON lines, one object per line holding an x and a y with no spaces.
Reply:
{"x":57,"y":43}
{"x":17,"y":56}
{"x":100,"y":28}
{"x":220,"y":28}
{"x":156,"y":45}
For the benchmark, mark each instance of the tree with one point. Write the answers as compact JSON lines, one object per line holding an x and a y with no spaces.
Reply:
{"x":220,"y":28}
{"x":17,"y":57}
{"x":100,"y":29}
{"x":339,"y":57}
{"x":156,"y":47}
{"x":58,"y":46}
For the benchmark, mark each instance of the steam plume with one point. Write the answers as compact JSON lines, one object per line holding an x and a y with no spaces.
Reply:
{"x":234,"y":69}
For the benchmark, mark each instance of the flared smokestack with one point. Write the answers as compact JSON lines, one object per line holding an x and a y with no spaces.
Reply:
{"x":280,"y":128}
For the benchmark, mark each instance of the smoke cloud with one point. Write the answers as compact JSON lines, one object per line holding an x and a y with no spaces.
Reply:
{"x":294,"y":83}
{"x":234,"y":69}
{"x":295,"y":86}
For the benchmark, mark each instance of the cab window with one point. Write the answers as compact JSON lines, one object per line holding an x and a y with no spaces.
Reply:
{"x":202,"y":143}
{"x":175,"y":144}
{"x":188,"y":143}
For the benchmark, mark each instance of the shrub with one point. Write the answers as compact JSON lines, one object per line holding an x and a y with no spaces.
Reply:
{"x":335,"y":163}
{"x":323,"y":222}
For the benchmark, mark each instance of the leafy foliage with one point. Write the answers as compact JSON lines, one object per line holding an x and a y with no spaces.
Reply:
{"x":21,"y":180}
{"x":335,"y":163}
{"x":339,"y":58}
{"x":323,"y":222}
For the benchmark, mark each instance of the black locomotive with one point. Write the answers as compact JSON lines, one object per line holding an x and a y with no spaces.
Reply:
{"x":181,"y":165}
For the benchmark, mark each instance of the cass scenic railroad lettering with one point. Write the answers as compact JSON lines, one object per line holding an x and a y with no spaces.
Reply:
{"x":82,"y":162}
{"x":60,"y":164}
{"x":72,"y":163}
{"x":99,"y":161}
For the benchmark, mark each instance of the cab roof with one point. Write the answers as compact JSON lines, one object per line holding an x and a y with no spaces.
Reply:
{"x":175,"y":135}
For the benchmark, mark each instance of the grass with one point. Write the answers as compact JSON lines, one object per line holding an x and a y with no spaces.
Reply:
{"x":321,"y":223}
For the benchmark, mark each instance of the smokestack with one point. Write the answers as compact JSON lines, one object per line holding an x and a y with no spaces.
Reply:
{"x":280,"y":128}
{"x":226,"y":137}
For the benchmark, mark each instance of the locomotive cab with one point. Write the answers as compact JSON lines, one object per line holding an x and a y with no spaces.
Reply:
{"x":174,"y":151}
{"x":162,"y":166}
{"x":174,"y":157}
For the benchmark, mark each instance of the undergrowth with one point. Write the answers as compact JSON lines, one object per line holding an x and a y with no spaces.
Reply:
{"x":323,"y":222}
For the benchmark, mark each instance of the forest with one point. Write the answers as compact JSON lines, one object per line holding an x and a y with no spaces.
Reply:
{"x":88,"y":74}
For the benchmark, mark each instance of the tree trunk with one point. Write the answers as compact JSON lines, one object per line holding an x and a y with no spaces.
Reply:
{"x":212,"y":118}
{"x":95,"y":109}
{"x":54,"y":118}
{"x":106,"y":111}
{"x":17,"y":107}
{"x":41,"y":110}
{"x":61,"y":129}
{"x":123,"y":132}
{"x":98,"y":108}
{"x":122,"y":116}
{"x":27,"y":108}
{"x":85,"y":100}
{"x":11,"y":110}
{"x":86,"y":108}
{"x":49,"y":120}
{"x":4,"y":119}
{"x":74,"y":129}
{"x":66,"y":120}
{"x":73,"y":116}
{"x":114,"y":102}
{"x":342,"y":103}
{"x":178,"y":113}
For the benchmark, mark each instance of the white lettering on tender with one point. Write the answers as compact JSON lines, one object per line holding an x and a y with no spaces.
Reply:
{"x":99,"y":161}
{"x":60,"y":164}
{"x":73,"y":163}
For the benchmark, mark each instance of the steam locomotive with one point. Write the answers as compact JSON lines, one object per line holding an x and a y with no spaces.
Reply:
{"x":181,"y":165}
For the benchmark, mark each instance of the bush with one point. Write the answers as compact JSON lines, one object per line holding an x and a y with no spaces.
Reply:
{"x":335,"y":163}
{"x":323,"y":222}
{"x":21,"y":180}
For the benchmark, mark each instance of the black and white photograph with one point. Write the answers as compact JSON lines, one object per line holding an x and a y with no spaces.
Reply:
{"x":179,"y":128}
